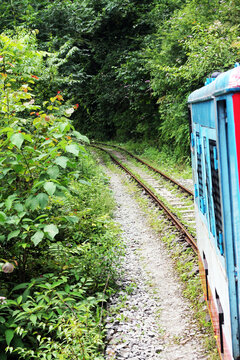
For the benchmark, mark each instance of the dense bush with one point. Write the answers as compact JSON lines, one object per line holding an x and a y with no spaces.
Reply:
{"x":57,"y":244}
{"x":196,"y":40}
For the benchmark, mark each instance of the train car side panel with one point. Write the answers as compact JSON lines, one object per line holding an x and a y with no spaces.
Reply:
{"x":230,"y":203}
{"x":215,"y":289}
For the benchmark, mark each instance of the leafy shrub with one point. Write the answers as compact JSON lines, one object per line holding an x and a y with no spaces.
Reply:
{"x":55,"y":223}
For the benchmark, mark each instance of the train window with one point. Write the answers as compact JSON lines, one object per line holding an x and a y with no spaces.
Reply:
{"x":216,"y":194}
{"x":221,"y":320}
{"x":200,"y":173}
{"x":208,"y":185}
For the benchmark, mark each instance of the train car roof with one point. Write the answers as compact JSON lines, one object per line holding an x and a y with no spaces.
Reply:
{"x":226,"y":82}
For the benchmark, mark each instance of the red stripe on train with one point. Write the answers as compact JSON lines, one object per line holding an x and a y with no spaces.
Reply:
{"x":236,"y":112}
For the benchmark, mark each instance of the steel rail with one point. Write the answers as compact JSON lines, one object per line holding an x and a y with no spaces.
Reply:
{"x":189,"y":238}
{"x":183,"y":188}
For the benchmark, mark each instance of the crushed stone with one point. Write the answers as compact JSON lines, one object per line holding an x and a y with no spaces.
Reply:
{"x":148,"y":318}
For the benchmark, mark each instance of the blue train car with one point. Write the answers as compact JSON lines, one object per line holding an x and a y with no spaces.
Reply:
{"x":215,"y":147}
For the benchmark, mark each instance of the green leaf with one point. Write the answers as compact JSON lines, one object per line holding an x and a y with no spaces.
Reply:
{"x":17,"y":139}
{"x":33,"y":319}
{"x":53,"y":172}
{"x":20,"y":286}
{"x":28,"y":137}
{"x":38,"y":184}
{"x":19,"y":207}
{"x":42,"y":199}
{"x":19,"y":299}
{"x":64,"y":126}
{"x":41,"y":217}
{"x":13,"y":234}
{"x":9,"y":334}
{"x":73,"y":149}
{"x":13,"y":220}
{"x":81,"y":137}
{"x":51,"y":230}
{"x":61,"y":161}
{"x":9,"y":201}
{"x":37,"y":237}
{"x":6,"y":129}
{"x":2,"y":238}
{"x":3,"y":217}
{"x":33,"y":203}
{"x":84,"y":182}
{"x":50,"y":187}
{"x":73,"y":219}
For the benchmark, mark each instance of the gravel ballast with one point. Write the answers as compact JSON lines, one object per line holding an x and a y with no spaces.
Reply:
{"x":149,"y":318}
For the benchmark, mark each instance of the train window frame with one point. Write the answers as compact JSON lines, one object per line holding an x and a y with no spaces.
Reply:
{"x":204,"y":135}
{"x":200,"y":174}
{"x":208,"y":186}
{"x":216,"y":195}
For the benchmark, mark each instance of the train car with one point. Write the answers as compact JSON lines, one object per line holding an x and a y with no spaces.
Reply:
{"x":215,"y":148}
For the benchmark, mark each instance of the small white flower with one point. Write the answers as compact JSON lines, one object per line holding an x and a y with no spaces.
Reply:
{"x":69,"y":111}
{"x":3,"y":300}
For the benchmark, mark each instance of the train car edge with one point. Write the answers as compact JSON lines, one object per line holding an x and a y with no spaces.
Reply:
{"x":215,"y":151}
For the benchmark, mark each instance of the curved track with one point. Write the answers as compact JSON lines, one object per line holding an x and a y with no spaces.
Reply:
{"x":180,"y":186}
{"x":189,"y":238}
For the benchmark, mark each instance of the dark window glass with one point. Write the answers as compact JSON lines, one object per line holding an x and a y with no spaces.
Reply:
{"x":216,"y":191}
{"x":208,"y":186}
{"x":199,"y":166}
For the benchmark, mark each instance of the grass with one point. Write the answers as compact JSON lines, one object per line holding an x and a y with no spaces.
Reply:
{"x":163,"y":160}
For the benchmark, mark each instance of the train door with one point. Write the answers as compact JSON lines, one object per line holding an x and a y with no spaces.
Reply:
{"x":230,"y":200}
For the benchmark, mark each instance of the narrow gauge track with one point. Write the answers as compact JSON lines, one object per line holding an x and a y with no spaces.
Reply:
{"x":189,"y":238}
{"x":180,"y":186}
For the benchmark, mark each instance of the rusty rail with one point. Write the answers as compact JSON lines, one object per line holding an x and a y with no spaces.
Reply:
{"x":183,"y":188}
{"x":189,"y":238}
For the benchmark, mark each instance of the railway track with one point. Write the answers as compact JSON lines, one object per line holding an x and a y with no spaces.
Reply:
{"x":165,"y":176}
{"x":160,"y":195}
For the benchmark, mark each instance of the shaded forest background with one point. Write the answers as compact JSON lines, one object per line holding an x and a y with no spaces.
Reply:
{"x":117,"y":70}
{"x":129,"y":64}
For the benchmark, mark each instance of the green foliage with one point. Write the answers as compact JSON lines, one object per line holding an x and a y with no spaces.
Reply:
{"x":195,"y":41}
{"x":30,"y":149}
{"x":57,"y":238}
{"x":62,"y":309}
{"x":162,"y":159}
{"x":139,"y":117}
{"x":130,"y":65}
{"x":87,"y":64}
{"x":211,"y":48}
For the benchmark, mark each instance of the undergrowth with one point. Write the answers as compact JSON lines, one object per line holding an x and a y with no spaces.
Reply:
{"x":59,"y":247}
{"x":58,"y":311}
{"x":163,"y":158}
